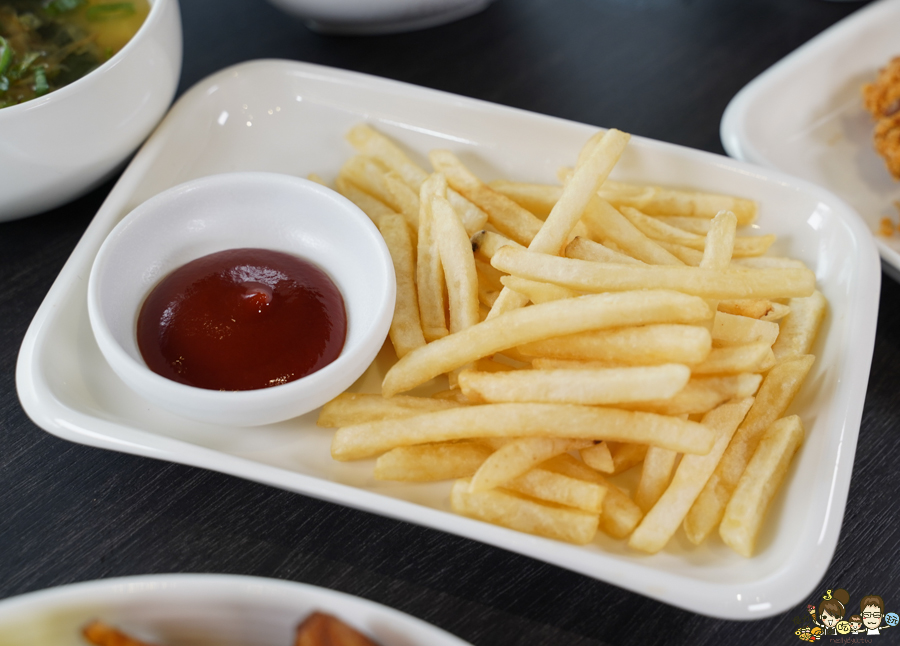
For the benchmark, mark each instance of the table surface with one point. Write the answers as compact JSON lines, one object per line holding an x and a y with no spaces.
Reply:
{"x":664,"y":69}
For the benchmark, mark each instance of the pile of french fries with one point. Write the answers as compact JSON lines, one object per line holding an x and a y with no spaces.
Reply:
{"x":582,"y":329}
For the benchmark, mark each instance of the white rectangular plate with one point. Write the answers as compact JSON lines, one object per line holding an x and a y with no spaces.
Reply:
{"x":805,"y":116}
{"x":291,"y":117}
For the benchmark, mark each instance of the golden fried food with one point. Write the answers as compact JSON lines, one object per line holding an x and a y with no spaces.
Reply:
{"x":882,"y":99}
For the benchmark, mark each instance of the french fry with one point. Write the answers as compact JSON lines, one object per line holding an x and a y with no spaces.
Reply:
{"x":367,"y":204}
{"x":759,"y":483}
{"x":406,"y":200}
{"x":406,"y":327}
{"x":368,"y":175}
{"x":774,"y":395}
{"x":525,"y":515}
{"x":537,"y":292}
{"x":625,"y":455}
{"x":357,"y":408}
{"x":656,"y":473}
{"x":556,"y":488}
{"x":598,"y":457}
{"x":605,"y":223}
{"x":700,"y":226}
{"x":487,"y":242}
{"x":761,"y":309}
{"x":655,"y":200}
{"x":508,"y":217}
{"x":539,"y":322}
{"x":702,"y":394}
{"x":591,"y":171}
{"x":649,"y":344}
{"x":751,"y":357}
{"x":719,"y":242}
{"x":611,"y":386}
{"x":688,"y":256}
{"x":620,"y":515}
{"x":458,"y":264}
{"x":729,"y":329}
{"x":537,"y":198}
{"x":521,"y":420}
{"x":587,"y":276}
{"x":431,"y":462}
{"x":429,"y":271}
{"x":518,"y":457}
{"x":585,"y":249}
{"x":800,"y":327}
{"x":663,"y":519}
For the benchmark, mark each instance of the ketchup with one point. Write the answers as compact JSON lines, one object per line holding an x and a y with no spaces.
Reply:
{"x":242,"y":319}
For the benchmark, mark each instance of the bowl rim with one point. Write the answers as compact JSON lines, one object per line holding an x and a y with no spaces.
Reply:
{"x":354,"y":362}
{"x":153,"y":17}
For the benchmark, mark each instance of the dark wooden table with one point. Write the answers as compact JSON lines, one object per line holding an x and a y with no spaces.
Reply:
{"x":660,"y":68}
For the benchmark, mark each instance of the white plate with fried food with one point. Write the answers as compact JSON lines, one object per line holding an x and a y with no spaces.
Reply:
{"x":805,"y":115}
{"x":294,"y":118}
{"x":225,"y":610}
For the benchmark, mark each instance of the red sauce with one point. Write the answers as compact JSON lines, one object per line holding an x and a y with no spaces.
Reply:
{"x":242,"y":319}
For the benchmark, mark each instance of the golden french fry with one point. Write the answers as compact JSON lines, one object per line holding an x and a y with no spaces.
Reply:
{"x":663,"y":519}
{"x":768,"y":262}
{"x":598,"y":457}
{"x":508,"y":217}
{"x":367,"y":204}
{"x":626,"y":455}
{"x":512,"y":511}
{"x":368,"y":175}
{"x":487,"y":242}
{"x":734,"y":359}
{"x":537,"y":198}
{"x":429,"y":271}
{"x":649,"y":344}
{"x":774,"y":395}
{"x":702,"y":394}
{"x":800,"y":327}
{"x":357,"y":408}
{"x":762,"y":309}
{"x":375,"y":145}
{"x":521,"y":420}
{"x":719,"y":242}
{"x":620,"y":515}
{"x":611,"y":386}
{"x":405,"y":198}
{"x":458,"y":264}
{"x":605,"y":277}
{"x":700,"y":226}
{"x":759,"y":483}
{"x":656,"y":473}
{"x":556,"y":488}
{"x":655,"y":200}
{"x":688,"y":256}
{"x":605,"y":223}
{"x":539,"y":322}
{"x":537,"y":292}
{"x":518,"y":457}
{"x":430,"y":462}
{"x":729,"y":329}
{"x":406,"y":327}
{"x":585,"y":249}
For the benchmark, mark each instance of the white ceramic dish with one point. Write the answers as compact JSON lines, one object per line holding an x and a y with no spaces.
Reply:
{"x":290,"y":117}
{"x":804,"y":116}
{"x":59,"y":146}
{"x":200,"y":609}
{"x":240,"y":210}
{"x":364,"y":17}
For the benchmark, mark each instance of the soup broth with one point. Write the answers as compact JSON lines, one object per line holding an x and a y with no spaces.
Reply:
{"x":47,"y":44}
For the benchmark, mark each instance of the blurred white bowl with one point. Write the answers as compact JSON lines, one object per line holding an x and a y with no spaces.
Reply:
{"x":370,"y":17}
{"x":59,"y":146}
{"x":230,"y":211}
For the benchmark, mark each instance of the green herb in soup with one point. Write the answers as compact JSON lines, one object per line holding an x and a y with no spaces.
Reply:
{"x":47,"y":44}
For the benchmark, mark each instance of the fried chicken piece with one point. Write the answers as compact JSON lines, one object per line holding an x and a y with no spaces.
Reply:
{"x":882,"y":99}
{"x":320,"y":629}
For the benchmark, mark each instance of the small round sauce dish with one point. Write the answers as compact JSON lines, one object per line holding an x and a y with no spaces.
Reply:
{"x":258,"y":227}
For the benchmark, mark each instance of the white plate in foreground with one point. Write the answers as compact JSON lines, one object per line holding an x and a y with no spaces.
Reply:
{"x":201,"y":609}
{"x":291,"y":117}
{"x":805,"y":116}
